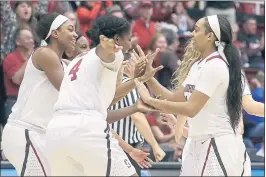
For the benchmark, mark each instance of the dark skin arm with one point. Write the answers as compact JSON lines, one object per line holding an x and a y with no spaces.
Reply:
{"x":45,"y":59}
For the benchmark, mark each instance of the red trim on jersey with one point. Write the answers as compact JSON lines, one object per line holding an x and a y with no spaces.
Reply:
{"x":218,"y":57}
{"x":206,"y":159}
{"x":36,"y":154}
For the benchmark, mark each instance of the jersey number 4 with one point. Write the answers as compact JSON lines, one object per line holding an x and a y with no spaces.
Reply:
{"x":74,"y":70}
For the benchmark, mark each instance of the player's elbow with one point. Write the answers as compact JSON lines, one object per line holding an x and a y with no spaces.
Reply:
{"x":136,"y":117}
{"x":191,"y":111}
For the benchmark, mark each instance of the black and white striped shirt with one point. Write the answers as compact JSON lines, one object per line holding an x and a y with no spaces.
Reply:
{"x":125,"y":128}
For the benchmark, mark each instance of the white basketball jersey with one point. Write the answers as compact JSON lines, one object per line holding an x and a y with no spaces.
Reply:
{"x":210,"y":77}
{"x":89,"y":84}
{"x":36,"y":98}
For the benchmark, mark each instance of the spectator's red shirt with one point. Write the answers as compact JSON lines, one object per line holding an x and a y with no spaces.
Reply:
{"x":152,"y":121}
{"x":12,"y":63}
{"x":144,"y":33}
{"x":86,"y":16}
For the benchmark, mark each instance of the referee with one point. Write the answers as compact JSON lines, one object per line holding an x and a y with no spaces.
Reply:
{"x":133,"y":127}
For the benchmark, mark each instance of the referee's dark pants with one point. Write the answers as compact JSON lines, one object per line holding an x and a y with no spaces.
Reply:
{"x":133,"y":162}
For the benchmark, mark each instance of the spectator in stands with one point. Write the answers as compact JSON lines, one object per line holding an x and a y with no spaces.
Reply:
{"x":162,"y":133}
{"x":115,"y":10}
{"x":73,"y":18}
{"x":88,"y":11}
{"x":130,"y":8}
{"x":165,"y":136}
{"x":162,"y":10}
{"x":59,"y":7}
{"x":144,"y":28}
{"x":225,"y":8}
{"x":169,"y":58}
{"x":181,"y":19}
{"x":82,"y":45}
{"x":158,"y":41}
{"x":15,"y":64}
{"x":22,"y":15}
{"x":2,"y":98}
{"x":258,"y":94}
{"x":241,"y":46}
{"x":253,"y":42}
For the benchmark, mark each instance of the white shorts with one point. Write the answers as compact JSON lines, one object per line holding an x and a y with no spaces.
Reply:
{"x":80,"y":145}
{"x":24,"y":149}
{"x":220,"y":156}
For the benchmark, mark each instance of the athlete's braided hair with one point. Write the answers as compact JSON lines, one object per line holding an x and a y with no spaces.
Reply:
{"x":108,"y":26}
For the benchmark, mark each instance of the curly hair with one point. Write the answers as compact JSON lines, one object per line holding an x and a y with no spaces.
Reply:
{"x":190,"y":56}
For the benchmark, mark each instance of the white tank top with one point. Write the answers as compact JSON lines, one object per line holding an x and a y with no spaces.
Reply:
{"x":36,"y":98}
{"x":211,"y":78}
{"x":89,"y":85}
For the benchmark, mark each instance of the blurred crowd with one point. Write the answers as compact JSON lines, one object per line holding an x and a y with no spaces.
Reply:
{"x":155,"y":24}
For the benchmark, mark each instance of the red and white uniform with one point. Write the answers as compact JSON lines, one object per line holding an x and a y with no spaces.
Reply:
{"x":78,"y":139}
{"x":24,"y":134}
{"x":212,"y":148}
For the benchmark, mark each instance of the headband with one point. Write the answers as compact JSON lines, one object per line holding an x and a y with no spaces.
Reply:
{"x":215,"y":26}
{"x":58,"y":21}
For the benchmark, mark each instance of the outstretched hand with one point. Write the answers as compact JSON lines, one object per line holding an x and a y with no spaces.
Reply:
{"x":150,"y":70}
{"x":140,"y":62}
{"x":141,"y":158}
{"x":109,"y":45}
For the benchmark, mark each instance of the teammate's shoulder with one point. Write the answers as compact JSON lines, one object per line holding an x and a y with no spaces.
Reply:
{"x":44,"y":51}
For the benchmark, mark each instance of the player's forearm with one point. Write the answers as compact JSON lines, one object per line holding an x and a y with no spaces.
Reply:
{"x":253,"y":107}
{"x":170,"y":107}
{"x":116,"y":115}
{"x":166,"y":138}
{"x":144,"y":128}
{"x":125,"y":146}
{"x":258,"y":109}
{"x":179,"y":128}
{"x":158,"y":89}
{"x":181,"y":121}
{"x":124,"y":88}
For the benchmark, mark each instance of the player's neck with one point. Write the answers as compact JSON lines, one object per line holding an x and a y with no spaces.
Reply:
{"x":57,"y":49}
{"x":207,"y":52}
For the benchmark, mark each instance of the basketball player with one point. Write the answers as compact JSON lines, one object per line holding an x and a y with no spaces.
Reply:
{"x":82,"y":45}
{"x":248,"y":103}
{"x":23,"y":136}
{"x":78,"y":140}
{"x":212,"y":98}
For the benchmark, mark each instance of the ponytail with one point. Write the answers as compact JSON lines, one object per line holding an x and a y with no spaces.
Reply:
{"x":235,"y":88}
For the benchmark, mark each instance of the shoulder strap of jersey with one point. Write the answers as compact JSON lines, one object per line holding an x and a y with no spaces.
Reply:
{"x":216,"y":57}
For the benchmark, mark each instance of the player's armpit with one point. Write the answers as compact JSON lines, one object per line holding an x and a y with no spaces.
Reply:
{"x":48,"y":61}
